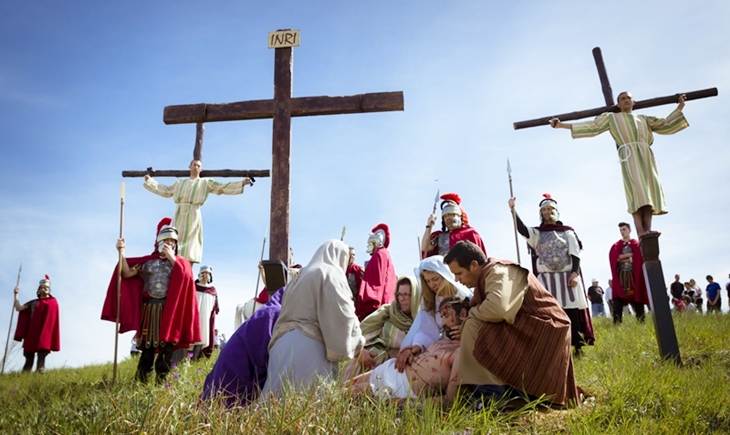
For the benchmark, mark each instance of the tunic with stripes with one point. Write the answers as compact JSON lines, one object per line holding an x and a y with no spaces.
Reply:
{"x":633,"y":135}
{"x":189,"y":195}
{"x":516,"y":334}
{"x":554,"y":264}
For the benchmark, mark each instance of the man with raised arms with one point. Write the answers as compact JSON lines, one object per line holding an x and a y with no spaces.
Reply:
{"x":633,"y":135}
{"x":189,"y":195}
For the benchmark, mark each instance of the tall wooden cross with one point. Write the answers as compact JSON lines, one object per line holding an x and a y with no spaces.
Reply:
{"x":653,"y":274}
{"x":282,"y":108}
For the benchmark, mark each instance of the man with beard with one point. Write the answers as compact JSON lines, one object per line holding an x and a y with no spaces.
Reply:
{"x":429,"y":372}
{"x":157,"y":301}
{"x":379,"y":279}
{"x":629,"y":287}
{"x":454,"y":227}
{"x":38,"y":326}
{"x":555,"y":252}
{"x":354,"y":275}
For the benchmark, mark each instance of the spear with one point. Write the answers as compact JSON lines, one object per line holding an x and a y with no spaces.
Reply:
{"x":342,"y":236}
{"x":12,"y":311}
{"x":418,"y":239}
{"x":258,"y":278}
{"x":436,"y":201}
{"x":514,"y":215}
{"x":119,"y":282}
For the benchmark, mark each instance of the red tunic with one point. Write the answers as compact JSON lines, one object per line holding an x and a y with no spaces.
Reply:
{"x":465,"y":232}
{"x":40,"y":331}
{"x":378,"y":284}
{"x":180,"y":323}
{"x":640,"y":294}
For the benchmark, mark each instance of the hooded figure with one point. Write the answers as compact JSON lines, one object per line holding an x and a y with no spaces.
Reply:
{"x":317,"y":327}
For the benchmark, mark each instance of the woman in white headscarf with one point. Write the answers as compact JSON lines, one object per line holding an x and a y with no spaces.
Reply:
{"x":317,"y":327}
{"x":437,"y":283}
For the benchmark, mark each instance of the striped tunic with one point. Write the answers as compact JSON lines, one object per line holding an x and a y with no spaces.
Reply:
{"x":189,"y":195}
{"x":634,"y":135}
{"x":523,"y":339}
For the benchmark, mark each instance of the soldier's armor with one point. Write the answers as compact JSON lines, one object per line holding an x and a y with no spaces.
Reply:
{"x":552,"y":250}
{"x":443,"y":242}
{"x":156,"y":275}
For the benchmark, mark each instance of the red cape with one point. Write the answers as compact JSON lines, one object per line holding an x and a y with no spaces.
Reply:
{"x":464,"y":233}
{"x":40,"y":331}
{"x":180,"y":323}
{"x":640,"y":295}
{"x":378,"y":283}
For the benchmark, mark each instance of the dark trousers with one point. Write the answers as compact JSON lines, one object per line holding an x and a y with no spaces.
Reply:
{"x":618,"y":310}
{"x":576,"y":338}
{"x":30,"y":356}
{"x":162,"y":365}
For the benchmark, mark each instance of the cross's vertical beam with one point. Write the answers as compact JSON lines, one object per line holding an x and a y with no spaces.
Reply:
{"x":603,"y":77}
{"x":654,"y":277}
{"x":198,"y":150}
{"x":281,"y":155}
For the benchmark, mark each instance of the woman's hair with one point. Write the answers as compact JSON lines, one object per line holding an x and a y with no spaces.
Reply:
{"x":429,"y":298}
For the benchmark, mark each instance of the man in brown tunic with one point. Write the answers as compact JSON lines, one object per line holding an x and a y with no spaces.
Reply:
{"x":516,"y":334}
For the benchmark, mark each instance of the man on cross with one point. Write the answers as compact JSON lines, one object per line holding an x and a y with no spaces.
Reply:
{"x":633,"y":136}
{"x":189,"y":195}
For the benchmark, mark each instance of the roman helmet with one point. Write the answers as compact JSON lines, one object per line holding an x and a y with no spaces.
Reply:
{"x":548,"y":201}
{"x":451,"y":205}
{"x":380,"y":237}
{"x":44,"y":287}
{"x":206,"y":269}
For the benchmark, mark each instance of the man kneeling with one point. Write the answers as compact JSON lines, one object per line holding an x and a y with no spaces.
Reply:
{"x":516,"y":335}
{"x":433,"y":371}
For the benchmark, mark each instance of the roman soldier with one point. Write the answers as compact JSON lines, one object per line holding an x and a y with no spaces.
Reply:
{"x":454,"y":228}
{"x":379,"y":279}
{"x":38,"y":326}
{"x":208,"y":305}
{"x":157,"y":300}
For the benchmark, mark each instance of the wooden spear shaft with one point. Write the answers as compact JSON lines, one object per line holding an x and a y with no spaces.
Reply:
{"x":12,"y":312}
{"x":119,"y":283}
{"x":514,"y":215}
{"x":258,"y":277}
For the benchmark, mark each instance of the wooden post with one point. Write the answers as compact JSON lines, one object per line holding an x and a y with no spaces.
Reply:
{"x":659,"y":301}
{"x":281,"y":155}
{"x":603,"y":77}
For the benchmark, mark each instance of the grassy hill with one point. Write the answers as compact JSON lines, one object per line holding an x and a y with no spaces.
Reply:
{"x":634,"y":393}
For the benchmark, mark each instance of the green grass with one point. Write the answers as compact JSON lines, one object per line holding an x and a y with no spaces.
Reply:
{"x":635,"y":392}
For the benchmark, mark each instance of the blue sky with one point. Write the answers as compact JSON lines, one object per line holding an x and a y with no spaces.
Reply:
{"x":83,"y":85}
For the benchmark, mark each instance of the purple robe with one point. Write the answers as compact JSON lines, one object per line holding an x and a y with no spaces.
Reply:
{"x":239,"y":374}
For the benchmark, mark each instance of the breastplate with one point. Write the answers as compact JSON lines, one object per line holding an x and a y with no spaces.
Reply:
{"x":156,"y":275}
{"x":444,"y":243}
{"x":628,"y":265}
{"x":552,"y":250}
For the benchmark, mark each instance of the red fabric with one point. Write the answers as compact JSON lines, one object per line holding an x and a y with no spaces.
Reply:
{"x":378,"y":284}
{"x":640,"y":294}
{"x":180,"y":323}
{"x":41,"y":330}
{"x":263,"y":296}
{"x":356,"y":270}
{"x":464,"y":233}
